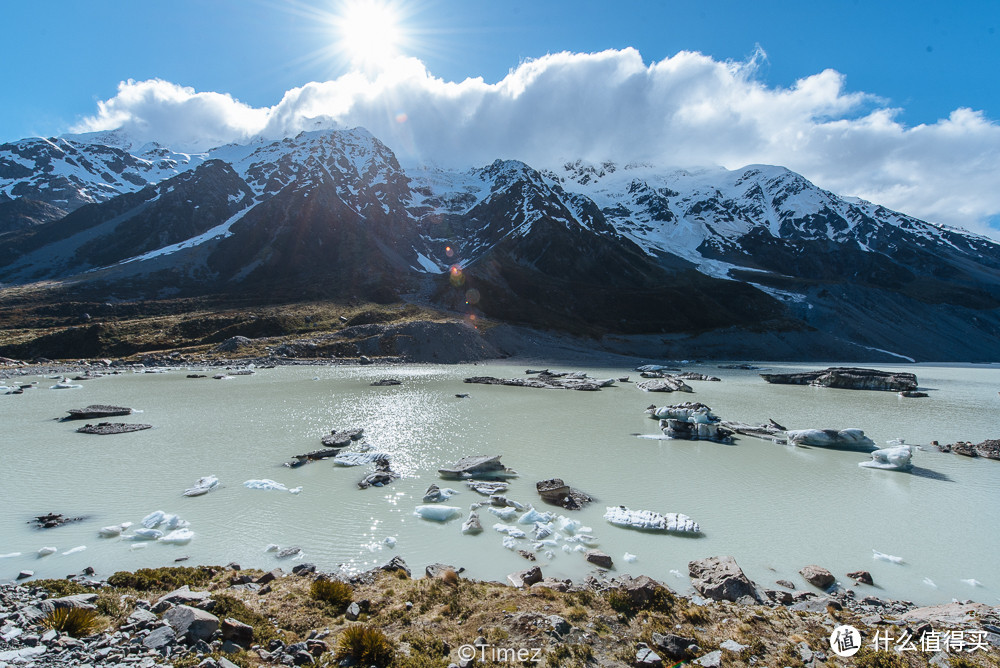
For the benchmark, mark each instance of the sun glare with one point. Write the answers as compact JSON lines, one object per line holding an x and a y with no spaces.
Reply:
{"x":369,"y":32}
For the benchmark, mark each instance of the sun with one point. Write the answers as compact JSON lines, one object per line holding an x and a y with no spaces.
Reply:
{"x":369,"y":32}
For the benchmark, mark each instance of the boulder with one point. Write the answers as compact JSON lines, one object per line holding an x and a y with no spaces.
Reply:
{"x":848,"y":378}
{"x":270,"y":576}
{"x":721,"y":579}
{"x":160,"y":639}
{"x":779,"y":596}
{"x":232,"y":344}
{"x":237,"y":632}
{"x":396,"y":564}
{"x":862,"y":577}
{"x":599,"y":559}
{"x":642,"y":590}
{"x":817,"y":604}
{"x":964,"y":448}
{"x":558,"y":493}
{"x":191,"y":624}
{"x":647,"y":658}
{"x":353,"y":612}
{"x":817,"y":576}
{"x":438,"y":570}
{"x":990,"y":449}
{"x":674,"y":646}
{"x":552,"y":583}
{"x":184,"y":596}
{"x":948,"y":614}
{"x":710,"y":660}
{"x":526,"y":578}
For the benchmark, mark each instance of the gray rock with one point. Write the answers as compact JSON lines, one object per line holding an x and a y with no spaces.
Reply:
{"x":159,"y":639}
{"x":304,"y":569}
{"x":270,"y":576}
{"x":552,"y":583}
{"x":721,"y":579}
{"x":805,"y":653}
{"x":142,"y":618}
{"x":237,"y":632}
{"x":732,"y":646}
{"x":779,"y":596}
{"x":24,"y":575}
{"x":226,"y":663}
{"x":710,"y":660}
{"x":184,"y":596}
{"x":559,"y":625}
{"x":396,"y":564}
{"x":353,"y":612}
{"x":674,"y":646}
{"x":948,"y":614}
{"x":817,"y":604}
{"x":647,"y":658}
{"x":817,"y":576}
{"x":599,"y":558}
{"x":526,"y":577}
{"x":191,"y":623}
{"x":437,"y":570}
{"x":643,"y":589}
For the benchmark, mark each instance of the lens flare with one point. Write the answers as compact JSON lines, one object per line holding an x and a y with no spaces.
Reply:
{"x":448,"y":251}
{"x":457,"y":277}
{"x":472,"y":296}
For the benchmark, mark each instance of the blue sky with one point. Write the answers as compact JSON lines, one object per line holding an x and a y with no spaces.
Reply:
{"x":897,"y":66}
{"x":926,"y":57}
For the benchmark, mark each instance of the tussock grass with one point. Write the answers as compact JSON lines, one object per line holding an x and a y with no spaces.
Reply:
{"x":77,"y":622}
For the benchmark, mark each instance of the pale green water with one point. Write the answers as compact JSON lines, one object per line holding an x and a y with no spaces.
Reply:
{"x":774,"y":508}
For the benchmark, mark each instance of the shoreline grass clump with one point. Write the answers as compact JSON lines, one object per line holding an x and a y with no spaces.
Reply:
{"x":77,"y":622}
{"x":334,"y":593}
{"x":366,"y":646}
{"x":164,"y":579}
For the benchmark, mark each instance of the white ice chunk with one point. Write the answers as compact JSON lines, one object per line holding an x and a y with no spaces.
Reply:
{"x":359,"y":458}
{"x":265,"y":483}
{"x":629,"y":557}
{"x":568,"y":525}
{"x":651,"y":521}
{"x":46,"y":551}
{"x":506,"y":514}
{"x":897,"y":458}
{"x":511,"y":531}
{"x":533,"y":516}
{"x":390,"y":541}
{"x":178,"y":537}
{"x":113,"y":530}
{"x":437,"y":513}
{"x":137,"y":546}
{"x":676,"y":573}
{"x":972,"y":582}
{"x":153,"y":519}
{"x":881,"y":556}
{"x":271,"y":547}
{"x":930,"y":583}
{"x":10,"y":555}
{"x":74,"y":550}
{"x":145,"y":534}
{"x":510,"y":543}
{"x":204,"y":485}
{"x":845,"y":439}
{"x":295,"y":490}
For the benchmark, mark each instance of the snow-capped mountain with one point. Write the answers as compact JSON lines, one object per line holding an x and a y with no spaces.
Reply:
{"x":601,"y":248}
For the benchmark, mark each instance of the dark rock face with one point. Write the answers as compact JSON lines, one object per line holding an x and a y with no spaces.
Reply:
{"x":558,"y":493}
{"x":862,"y":577}
{"x":526,"y":578}
{"x":191,"y":624}
{"x":847,"y":378}
{"x":599,"y":559}
{"x":721,"y":579}
{"x":674,"y":646}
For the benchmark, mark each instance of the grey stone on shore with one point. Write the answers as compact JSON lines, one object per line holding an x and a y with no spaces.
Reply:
{"x":599,"y":559}
{"x":721,"y":579}
{"x":160,"y":639}
{"x":191,"y":624}
{"x":526,"y":578}
{"x":674,"y":646}
{"x":817,"y":604}
{"x":184,"y":596}
{"x":817,"y":576}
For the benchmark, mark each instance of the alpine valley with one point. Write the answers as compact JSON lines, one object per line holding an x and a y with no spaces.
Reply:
{"x":752,"y":263}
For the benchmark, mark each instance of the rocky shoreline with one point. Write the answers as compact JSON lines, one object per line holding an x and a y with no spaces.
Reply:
{"x":221,"y":617}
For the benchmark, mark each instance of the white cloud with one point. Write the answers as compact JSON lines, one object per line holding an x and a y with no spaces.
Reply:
{"x":687,"y":110}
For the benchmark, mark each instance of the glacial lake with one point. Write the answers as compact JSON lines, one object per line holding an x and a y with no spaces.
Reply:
{"x":774,"y":508}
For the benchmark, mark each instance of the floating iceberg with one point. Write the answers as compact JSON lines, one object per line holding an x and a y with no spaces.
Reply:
{"x":882,"y":556}
{"x":437,"y":513}
{"x":472,"y":525}
{"x":114,"y":530}
{"x":390,"y":541}
{"x":10,"y":555}
{"x":295,"y":490}
{"x":651,"y":521}
{"x":360,"y":458}
{"x":930,"y":583}
{"x":688,"y":412}
{"x":46,"y":551}
{"x":511,"y":531}
{"x":178,"y":537}
{"x":271,"y":547}
{"x":487,"y":488}
{"x":74,"y":550}
{"x":845,"y":439}
{"x":145,"y":534}
{"x":65,"y":385}
{"x":204,"y":485}
{"x":510,"y":543}
{"x":506,"y":514}
{"x":265,"y":483}
{"x":897,"y":458}
{"x":533,"y":516}
{"x":629,"y":557}
{"x":137,"y":546}
{"x":158,"y":517}
{"x":972,"y":582}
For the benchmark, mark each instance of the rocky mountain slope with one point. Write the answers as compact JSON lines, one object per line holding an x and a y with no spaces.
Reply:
{"x":593,"y":249}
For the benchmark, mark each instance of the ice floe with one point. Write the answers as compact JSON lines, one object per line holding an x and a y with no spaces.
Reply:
{"x":629,"y":557}
{"x":204,"y":485}
{"x":114,"y":530}
{"x":437,"y":513}
{"x":650,"y":521}
{"x":178,"y":537}
{"x":882,"y":556}
{"x":74,"y":550}
{"x":972,"y":582}
{"x":267,"y":483}
{"x":46,"y":551}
